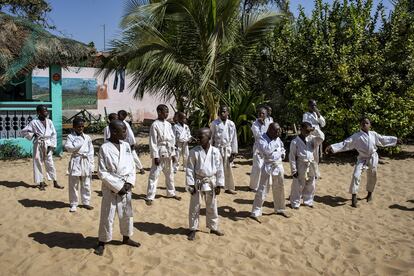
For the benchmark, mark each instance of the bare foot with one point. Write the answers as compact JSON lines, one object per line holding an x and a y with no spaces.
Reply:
{"x":216,"y":232}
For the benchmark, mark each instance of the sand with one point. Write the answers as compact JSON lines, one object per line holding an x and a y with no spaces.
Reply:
{"x":38,"y":235}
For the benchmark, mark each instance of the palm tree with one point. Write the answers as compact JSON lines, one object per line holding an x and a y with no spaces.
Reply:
{"x":188,"y":50}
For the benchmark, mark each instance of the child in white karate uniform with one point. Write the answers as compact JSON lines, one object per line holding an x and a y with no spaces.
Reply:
{"x":81,"y":165}
{"x":366,"y":143}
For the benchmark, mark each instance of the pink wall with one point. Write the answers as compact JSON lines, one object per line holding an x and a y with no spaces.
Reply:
{"x":140,"y":109}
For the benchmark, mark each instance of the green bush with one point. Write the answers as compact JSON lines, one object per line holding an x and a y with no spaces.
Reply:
{"x":9,"y":151}
{"x":96,"y":128}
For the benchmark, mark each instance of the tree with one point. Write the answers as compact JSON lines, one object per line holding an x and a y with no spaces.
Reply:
{"x":34,"y":10}
{"x":188,"y":50}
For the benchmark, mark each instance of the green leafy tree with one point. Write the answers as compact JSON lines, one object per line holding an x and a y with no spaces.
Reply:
{"x":34,"y":10}
{"x":192,"y":51}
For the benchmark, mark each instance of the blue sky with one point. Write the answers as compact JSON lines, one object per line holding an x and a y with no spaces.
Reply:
{"x":83,"y":20}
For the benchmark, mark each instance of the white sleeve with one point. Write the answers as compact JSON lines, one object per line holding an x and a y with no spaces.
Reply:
{"x":305,"y":117}
{"x":74,"y":143}
{"x":321,"y":121}
{"x":153,"y":142}
{"x":28,"y":131}
{"x":132,"y":175}
{"x":292,"y":158}
{"x":346,"y":145}
{"x":190,"y":170}
{"x":91,"y":156}
{"x":220,"y":170}
{"x":385,"y":141}
{"x":53,"y":139}
{"x":112,"y":181}
{"x":265,"y":147}
{"x":234,"y":144}
{"x":256,"y":132}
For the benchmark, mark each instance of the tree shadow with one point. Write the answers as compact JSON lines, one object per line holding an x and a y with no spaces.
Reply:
{"x":333,"y":201}
{"x":250,"y":202}
{"x":64,"y":240}
{"x":16,"y":184}
{"x":50,"y":205}
{"x":159,"y":228}
{"x":401,"y":207}
{"x":410,"y":200}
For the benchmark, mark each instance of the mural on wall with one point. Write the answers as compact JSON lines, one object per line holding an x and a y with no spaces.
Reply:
{"x":77,"y":93}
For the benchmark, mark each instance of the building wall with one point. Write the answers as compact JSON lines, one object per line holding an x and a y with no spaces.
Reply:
{"x":113,"y":100}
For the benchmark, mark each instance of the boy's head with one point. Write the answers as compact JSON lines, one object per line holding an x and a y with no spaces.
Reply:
{"x":162,"y":111}
{"x":223,"y":112}
{"x":118,"y":130}
{"x":182,"y":118}
{"x":365,"y":123}
{"x":78,"y":125}
{"x":112,"y":116}
{"x":269,"y":110}
{"x":261,"y":113}
{"x":175,"y":118}
{"x":204,"y":135}
{"x":306,"y":129}
{"x":122,"y":114}
{"x":311,"y":105}
{"x":274,"y":131}
{"x":42,"y":111}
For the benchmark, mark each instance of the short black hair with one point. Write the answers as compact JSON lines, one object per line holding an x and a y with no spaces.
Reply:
{"x":162,"y":107}
{"x":122,"y":113}
{"x":77,"y":121}
{"x":363,"y":117}
{"x":112,"y":116}
{"x":261,"y":108}
{"x":40,"y":107}
{"x":116,"y":123}
{"x":222,"y":107}
{"x":201,"y":130}
{"x":305,"y":125}
{"x":311,"y":101}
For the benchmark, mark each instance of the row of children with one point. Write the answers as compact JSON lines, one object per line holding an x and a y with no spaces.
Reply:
{"x":208,"y":165}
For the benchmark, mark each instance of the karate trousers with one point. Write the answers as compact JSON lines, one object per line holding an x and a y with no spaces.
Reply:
{"x":302,"y":188}
{"x":166,"y":167}
{"x":85,"y":189}
{"x":370,"y":164}
{"x":278,"y":191}
{"x":211,"y":210}
{"x":113,"y":203}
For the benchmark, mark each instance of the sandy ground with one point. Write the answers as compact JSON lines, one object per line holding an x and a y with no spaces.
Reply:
{"x":38,"y":236}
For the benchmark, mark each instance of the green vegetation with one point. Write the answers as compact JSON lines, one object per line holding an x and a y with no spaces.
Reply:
{"x":350,"y":56}
{"x":9,"y":151}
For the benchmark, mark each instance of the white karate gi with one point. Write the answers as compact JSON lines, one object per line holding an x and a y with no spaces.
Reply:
{"x":107,"y":134}
{"x":116,"y":167}
{"x":258,"y":130}
{"x":80,"y":168}
{"x":302,"y":161}
{"x":130,"y":138}
{"x":162,"y":146}
{"x":268,"y":121}
{"x":317,"y":123}
{"x":204,"y":173}
{"x":273,"y":153}
{"x":43,"y":137}
{"x":224,"y":137}
{"x":366,"y":144}
{"x":182,"y":137}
